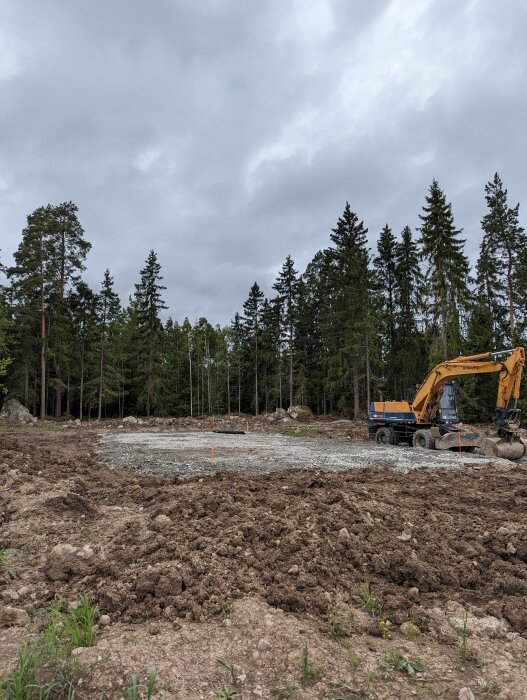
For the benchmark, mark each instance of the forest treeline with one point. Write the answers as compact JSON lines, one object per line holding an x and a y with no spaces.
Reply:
{"x":356,"y":325}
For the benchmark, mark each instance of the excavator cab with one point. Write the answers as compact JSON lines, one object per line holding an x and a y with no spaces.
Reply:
{"x":447,"y":413}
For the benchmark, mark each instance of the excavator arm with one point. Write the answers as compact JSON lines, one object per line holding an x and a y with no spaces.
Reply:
{"x":428,"y":396}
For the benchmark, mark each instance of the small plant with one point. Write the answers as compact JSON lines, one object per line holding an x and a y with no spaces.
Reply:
{"x":336,"y":624}
{"x":131,"y":692}
{"x":225,"y":693}
{"x":486,"y":686}
{"x":225,"y":610}
{"x":228,"y":666}
{"x":134,"y":689}
{"x":129,"y":639}
{"x":385,"y":629}
{"x":463,"y":652}
{"x":370,"y":604}
{"x":73,"y":628}
{"x":353,"y":659}
{"x":341,"y":692}
{"x":4,"y":564}
{"x":308,"y":670}
{"x":287,"y":692}
{"x":397,"y":660}
{"x":22,"y":683}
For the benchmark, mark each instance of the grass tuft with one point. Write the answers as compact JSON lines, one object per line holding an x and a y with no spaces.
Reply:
{"x":397,"y":660}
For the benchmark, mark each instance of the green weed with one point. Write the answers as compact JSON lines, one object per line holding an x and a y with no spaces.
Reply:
{"x":4,"y":564}
{"x":397,"y":660}
{"x":287,"y":692}
{"x":228,"y":666}
{"x":308,"y":670}
{"x":135,"y":690}
{"x":225,"y":693}
{"x":463,"y":652}
{"x":353,"y":659}
{"x":336,"y":624}
{"x":369,"y":603}
{"x":39,"y":675}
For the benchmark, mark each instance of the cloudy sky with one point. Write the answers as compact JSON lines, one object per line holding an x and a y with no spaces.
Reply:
{"x":226,"y":134}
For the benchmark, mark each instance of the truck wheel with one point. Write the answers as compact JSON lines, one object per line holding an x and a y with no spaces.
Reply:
{"x":424,"y":440}
{"x":386,"y":436}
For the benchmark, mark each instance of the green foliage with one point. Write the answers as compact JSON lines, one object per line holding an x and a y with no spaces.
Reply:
{"x":447,"y":268}
{"x":286,"y":692}
{"x":308,"y":671}
{"x":135,"y":690}
{"x":397,"y":660}
{"x":463,"y":651}
{"x":370,"y":603}
{"x":73,"y":628}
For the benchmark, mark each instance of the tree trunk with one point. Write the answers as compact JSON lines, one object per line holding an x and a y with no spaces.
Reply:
{"x":356,"y":395}
{"x":81,"y":390}
{"x":291,"y":365}
{"x":42,"y":354}
{"x":99,"y":410}
{"x":228,"y":390}
{"x":190,"y":379}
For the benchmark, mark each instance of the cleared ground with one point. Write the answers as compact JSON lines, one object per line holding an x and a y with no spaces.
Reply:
{"x":246,"y":570}
{"x":203,"y":453}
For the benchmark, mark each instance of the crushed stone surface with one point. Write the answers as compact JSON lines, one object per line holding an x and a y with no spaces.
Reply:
{"x":190,"y":454}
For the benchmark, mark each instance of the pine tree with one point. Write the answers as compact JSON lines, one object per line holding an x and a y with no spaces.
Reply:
{"x":287,"y":287}
{"x":448,"y":269}
{"x":252,"y":310}
{"x":503,"y":241}
{"x":148,"y":304}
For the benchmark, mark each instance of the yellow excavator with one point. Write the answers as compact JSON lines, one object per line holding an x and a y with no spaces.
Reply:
{"x":430,"y":420}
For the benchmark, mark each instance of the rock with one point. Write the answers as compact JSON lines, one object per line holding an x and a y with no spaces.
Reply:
{"x":511,"y":549}
{"x":77,"y":421}
{"x":154,"y":628}
{"x":132,"y":420}
{"x":104,"y":620}
{"x":300,"y":413}
{"x":64,"y":561}
{"x":13,"y":617}
{"x":280,"y":412}
{"x":344,"y":535}
{"x":293,"y":570}
{"x":410,"y":630}
{"x":161,"y":522}
{"x":405,"y":536}
{"x":466,"y":694}
{"x":11,"y":596}
{"x":413,"y":593}
{"x":13,"y":410}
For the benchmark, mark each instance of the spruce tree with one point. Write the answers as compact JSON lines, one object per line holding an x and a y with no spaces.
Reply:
{"x":410,"y":353}
{"x":503,"y":242}
{"x":148,"y":304}
{"x":447,"y":272}
{"x":287,"y":287}
{"x":252,"y":311}
{"x":385,"y":268}
{"x":351,"y":318}
{"x":109,"y":375}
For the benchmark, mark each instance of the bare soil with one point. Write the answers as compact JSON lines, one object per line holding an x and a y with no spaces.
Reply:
{"x":250,"y":568}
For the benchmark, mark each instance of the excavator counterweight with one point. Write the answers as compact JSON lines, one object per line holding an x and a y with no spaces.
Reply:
{"x":431,"y":420}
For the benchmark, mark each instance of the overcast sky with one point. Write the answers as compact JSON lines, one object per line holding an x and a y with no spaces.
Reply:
{"x":226,"y":134}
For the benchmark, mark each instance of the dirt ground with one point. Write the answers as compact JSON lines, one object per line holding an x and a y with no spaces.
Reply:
{"x":221,"y":581}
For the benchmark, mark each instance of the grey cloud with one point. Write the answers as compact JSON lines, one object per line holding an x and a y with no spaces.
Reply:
{"x":227,"y":134}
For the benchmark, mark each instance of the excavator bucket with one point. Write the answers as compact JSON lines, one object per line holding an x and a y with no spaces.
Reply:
{"x":508,"y":447}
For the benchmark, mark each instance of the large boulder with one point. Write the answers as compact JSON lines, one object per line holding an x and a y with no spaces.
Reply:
{"x":13,"y":410}
{"x":131,"y":420}
{"x":301,"y":414}
{"x":65,"y":561}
